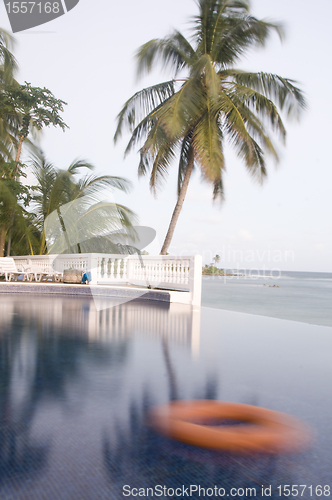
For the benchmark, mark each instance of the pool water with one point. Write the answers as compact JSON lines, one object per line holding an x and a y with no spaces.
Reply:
{"x":76,"y":386}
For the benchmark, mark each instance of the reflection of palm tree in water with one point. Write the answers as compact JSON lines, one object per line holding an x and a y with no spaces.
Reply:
{"x":211,"y":386}
{"x":173,"y":386}
{"x":143,"y":459}
{"x":19,"y":454}
{"x":58,"y":363}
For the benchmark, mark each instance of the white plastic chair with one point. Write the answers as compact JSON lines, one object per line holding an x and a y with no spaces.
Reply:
{"x":8,"y":269}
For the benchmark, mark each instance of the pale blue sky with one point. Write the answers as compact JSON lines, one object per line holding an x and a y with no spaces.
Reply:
{"x":87,"y":60}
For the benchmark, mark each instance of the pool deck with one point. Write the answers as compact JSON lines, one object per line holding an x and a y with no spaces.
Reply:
{"x":100,"y":291}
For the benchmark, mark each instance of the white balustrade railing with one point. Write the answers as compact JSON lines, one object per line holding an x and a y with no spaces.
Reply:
{"x":162,"y":271}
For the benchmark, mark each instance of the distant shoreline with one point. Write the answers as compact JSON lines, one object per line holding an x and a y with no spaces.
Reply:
{"x":221,"y":274}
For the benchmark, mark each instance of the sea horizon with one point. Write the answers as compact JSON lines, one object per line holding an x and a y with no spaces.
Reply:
{"x":292,"y":295}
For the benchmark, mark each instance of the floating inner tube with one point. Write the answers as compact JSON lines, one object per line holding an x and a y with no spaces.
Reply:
{"x":263,"y":431}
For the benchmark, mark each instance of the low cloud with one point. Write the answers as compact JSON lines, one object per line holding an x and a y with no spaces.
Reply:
{"x":240,"y":236}
{"x":212,"y":219}
{"x":245,"y":235}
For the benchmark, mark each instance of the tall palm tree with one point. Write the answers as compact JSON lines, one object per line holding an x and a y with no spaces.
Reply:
{"x":207,"y":101}
{"x":15,"y":221}
{"x":9,"y":123}
{"x":76,"y":203}
{"x":8,"y":64}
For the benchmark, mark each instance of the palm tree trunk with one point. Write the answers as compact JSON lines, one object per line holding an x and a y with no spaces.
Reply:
{"x":10,"y":233}
{"x":173,"y":386}
{"x":179,"y":203}
{"x":3,"y":233}
{"x":17,"y":159}
{"x":19,"y":149}
{"x":63,"y":227}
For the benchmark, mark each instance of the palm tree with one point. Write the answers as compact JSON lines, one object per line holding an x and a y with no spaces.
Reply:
{"x":8,"y":64}
{"x":8,"y":123}
{"x":207,"y":101}
{"x":216,"y":259}
{"x":75,"y":203}
{"x":35,"y":108}
{"x":14,"y":199}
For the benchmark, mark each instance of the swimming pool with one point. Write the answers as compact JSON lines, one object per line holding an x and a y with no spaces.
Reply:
{"x":76,"y":385}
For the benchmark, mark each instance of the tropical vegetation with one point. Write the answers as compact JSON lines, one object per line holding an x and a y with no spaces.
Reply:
{"x":68,"y":208}
{"x":207,"y":102}
{"x":63,"y":211}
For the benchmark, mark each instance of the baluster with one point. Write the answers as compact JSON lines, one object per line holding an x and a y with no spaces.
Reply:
{"x":166,"y":264}
{"x":183,"y":270}
{"x":179,"y":280}
{"x":141,"y":272}
{"x":158,"y":272}
{"x":186,"y":271}
{"x":118,"y":268}
{"x":98,"y":268}
{"x":162,"y":270}
{"x":175,"y":271}
{"x":153,"y":270}
{"x":147,"y":271}
{"x":124,"y":270}
{"x":178,"y":271}
{"x":112,"y":269}
{"x":172,"y":273}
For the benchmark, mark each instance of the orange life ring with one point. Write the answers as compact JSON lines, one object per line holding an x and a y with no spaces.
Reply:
{"x":271,"y":432}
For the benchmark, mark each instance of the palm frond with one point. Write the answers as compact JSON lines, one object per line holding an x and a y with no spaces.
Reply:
{"x":258,"y":132}
{"x":90,"y":185}
{"x":218,"y":190}
{"x":77,"y":164}
{"x":281,"y":90}
{"x":233,"y":123}
{"x":225,"y":30}
{"x":237,"y":35}
{"x":161,"y":164}
{"x":174,"y":51}
{"x":141,"y":104}
{"x":157,"y":154}
{"x":260,"y":104}
{"x":184,"y":158}
{"x":207,"y":141}
{"x":204,"y":70}
{"x":184,"y":108}
{"x":8,"y":62}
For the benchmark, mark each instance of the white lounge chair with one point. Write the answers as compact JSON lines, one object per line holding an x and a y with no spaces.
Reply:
{"x":8,"y":269}
{"x":42,"y":272}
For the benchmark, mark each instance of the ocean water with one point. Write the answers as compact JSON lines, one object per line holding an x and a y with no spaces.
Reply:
{"x":297,"y":296}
